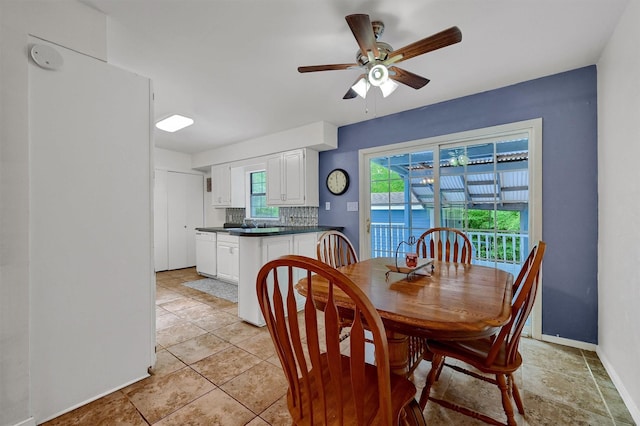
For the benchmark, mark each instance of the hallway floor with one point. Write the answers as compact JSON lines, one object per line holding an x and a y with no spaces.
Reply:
{"x":214,"y":369}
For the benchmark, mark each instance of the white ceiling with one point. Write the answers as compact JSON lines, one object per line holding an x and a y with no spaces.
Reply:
{"x":232,"y":64}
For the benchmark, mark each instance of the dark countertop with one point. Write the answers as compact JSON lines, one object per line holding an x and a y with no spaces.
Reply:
{"x":268,"y":232}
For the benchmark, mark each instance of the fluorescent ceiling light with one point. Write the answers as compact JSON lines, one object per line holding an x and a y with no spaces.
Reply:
{"x":174,"y":123}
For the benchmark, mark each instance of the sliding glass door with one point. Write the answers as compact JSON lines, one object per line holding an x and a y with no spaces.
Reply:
{"x":486,"y":183}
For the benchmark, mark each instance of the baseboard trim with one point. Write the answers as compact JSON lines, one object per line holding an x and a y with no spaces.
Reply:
{"x":569,"y":342}
{"x":633,"y":408}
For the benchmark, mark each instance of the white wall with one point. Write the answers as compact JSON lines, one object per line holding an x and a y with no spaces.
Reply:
{"x":619,"y":208}
{"x":179,"y":162}
{"x":165,"y":159}
{"x":82,"y":29}
{"x":319,"y":136}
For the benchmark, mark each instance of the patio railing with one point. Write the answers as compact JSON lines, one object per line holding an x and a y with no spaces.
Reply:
{"x":501,"y":247}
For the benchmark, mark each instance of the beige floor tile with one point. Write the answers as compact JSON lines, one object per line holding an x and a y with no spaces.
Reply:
{"x":223,"y":366}
{"x":195,"y":312}
{"x":234,"y":376}
{"x":599,"y":372}
{"x":160,"y":312}
{"x":166,"y":394}
{"x":180,"y":304}
{"x":217,"y":319}
{"x":214,"y":408}
{"x":543,"y":411}
{"x":576,"y":391}
{"x":277,"y":413}
{"x":258,"y":387}
{"x":616,"y":405}
{"x":178,"y":333}
{"x":166,"y":363}
{"x":260,"y":345}
{"x":216,"y":302}
{"x":112,"y":409}
{"x":554,"y":357}
{"x":257,"y":421}
{"x":477,"y":395}
{"x":168,"y":320}
{"x":237,"y":332}
{"x":164,"y":295}
{"x":199,"y":347}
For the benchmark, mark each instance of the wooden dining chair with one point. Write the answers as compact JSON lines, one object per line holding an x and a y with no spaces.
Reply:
{"x":327,"y":387}
{"x":335,"y":249}
{"x":497,"y":355}
{"x":445,"y":244}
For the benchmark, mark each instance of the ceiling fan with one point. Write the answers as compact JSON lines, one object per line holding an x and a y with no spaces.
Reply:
{"x":378,"y":60}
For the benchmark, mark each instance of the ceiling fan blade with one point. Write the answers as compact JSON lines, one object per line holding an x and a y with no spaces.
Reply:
{"x":408,"y":78}
{"x":362,"y":30}
{"x":350,"y":94}
{"x":330,"y":67}
{"x":442,"y":39}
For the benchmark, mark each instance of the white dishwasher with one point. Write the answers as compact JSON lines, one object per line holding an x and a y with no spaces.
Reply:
{"x":206,"y":253}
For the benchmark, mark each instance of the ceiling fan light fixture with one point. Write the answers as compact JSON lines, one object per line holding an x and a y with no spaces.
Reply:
{"x":388,"y":87}
{"x":378,"y":75}
{"x":361,"y":87}
{"x":174,"y":123}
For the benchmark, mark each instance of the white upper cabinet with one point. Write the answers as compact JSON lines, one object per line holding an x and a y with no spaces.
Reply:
{"x":238,"y":188}
{"x":221,"y":185}
{"x":292,"y":178}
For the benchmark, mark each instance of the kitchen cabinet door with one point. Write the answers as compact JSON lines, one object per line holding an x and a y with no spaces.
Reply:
{"x":274,"y":247}
{"x":221,"y":185}
{"x":292,"y":178}
{"x":305,"y":244}
{"x":238,"y":187}
{"x":228,"y":258}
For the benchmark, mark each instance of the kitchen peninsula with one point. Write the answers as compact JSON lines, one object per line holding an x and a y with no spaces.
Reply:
{"x":247,"y":249}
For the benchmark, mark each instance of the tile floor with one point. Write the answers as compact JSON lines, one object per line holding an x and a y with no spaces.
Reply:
{"x":214,"y":369}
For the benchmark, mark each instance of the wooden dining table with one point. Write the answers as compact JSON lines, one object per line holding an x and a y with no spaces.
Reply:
{"x":451,"y":301}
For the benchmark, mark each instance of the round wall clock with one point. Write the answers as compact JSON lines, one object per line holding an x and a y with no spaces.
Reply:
{"x":338,"y":181}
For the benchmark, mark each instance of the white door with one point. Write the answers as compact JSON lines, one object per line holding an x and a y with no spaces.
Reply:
{"x":185,"y":212}
{"x":92,"y":311}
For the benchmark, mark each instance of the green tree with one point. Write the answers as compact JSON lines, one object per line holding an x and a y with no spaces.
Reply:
{"x":483,"y":219}
{"x":385,"y":180}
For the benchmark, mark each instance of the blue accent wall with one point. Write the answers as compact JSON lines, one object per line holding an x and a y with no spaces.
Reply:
{"x":567,"y":104}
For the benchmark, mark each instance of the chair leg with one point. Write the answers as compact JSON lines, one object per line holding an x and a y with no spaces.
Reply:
{"x":412,"y":415}
{"x":516,"y":393}
{"x":506,"y":399}
{"x":436,"y":365}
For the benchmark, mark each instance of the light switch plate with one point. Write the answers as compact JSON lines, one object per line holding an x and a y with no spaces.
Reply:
{"x":327,"y":205}
{"x":352,"y":206}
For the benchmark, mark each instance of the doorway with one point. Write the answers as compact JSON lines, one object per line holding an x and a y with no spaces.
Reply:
{"x":485,"y":182}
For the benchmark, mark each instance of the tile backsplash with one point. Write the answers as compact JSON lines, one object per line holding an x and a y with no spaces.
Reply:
{"x":289,"y":216}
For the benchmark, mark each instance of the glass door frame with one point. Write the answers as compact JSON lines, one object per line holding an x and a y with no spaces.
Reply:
{"x":531,"y":127}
